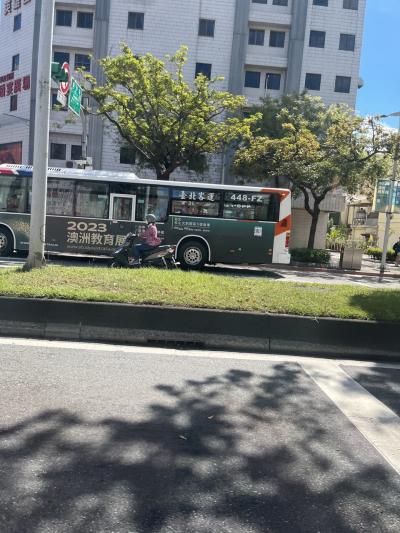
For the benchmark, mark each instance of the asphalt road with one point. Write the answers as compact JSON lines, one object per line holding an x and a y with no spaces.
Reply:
{"x":97,"y":438}
{"x":278,"y":274}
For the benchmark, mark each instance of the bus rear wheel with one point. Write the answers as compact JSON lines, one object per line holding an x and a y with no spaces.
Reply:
{"x":192,"y":255}
{"x":6,"y":242}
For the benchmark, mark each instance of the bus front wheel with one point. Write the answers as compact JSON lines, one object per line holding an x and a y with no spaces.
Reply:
{"x":6,"y":242}
{"x":192,"y":255}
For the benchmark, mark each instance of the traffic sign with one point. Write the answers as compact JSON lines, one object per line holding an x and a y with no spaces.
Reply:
{"x":61,"y":98}
{"x":64,"y":85}
{"x":75,"y":97}
{"x":382,"y":200}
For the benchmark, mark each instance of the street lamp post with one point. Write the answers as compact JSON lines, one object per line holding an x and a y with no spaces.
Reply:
{"x":41,"y":144}
{"x":391,"y":193}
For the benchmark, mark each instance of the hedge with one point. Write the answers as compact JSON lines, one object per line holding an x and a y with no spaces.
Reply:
{"x":305,"y":255}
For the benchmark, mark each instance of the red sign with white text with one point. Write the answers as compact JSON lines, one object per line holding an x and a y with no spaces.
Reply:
{"x":64,"y":85}
{"x":11,"y":6}
{"x":10,"y":86}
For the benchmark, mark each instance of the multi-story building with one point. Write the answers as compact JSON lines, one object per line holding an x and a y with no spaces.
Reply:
{"x":259,"y":47}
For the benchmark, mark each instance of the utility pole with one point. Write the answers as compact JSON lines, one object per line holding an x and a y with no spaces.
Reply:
{"x":389,"y":208}
{"x":84,"y":113}
{"x":41,"y":143}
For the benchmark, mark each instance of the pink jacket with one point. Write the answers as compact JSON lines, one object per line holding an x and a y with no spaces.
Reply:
{"x":150,"y":235}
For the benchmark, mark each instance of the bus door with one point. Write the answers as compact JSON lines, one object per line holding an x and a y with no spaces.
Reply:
{"x":122,"y":213}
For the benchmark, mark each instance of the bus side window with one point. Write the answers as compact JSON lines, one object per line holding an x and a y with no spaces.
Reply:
{"x":60,"y":197}
{"x":251,"y":206}
{"x":92,"y":199}
{"x":12,"y":194}
{"x":195,"y":202}
{"x":152,"y":200}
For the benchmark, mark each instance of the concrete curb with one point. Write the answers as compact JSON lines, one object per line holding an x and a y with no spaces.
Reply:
{"x":197,"y":328}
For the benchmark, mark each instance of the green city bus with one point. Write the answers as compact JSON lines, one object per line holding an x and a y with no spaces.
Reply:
{"x":89,"y":212}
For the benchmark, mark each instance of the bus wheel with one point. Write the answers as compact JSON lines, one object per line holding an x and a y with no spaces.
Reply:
{"x":192,"y":255}
{"x":6,"y":242}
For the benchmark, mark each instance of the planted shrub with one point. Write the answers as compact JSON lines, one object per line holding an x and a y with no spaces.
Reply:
{"x":305,"y":255}
{"x":376,"y":253}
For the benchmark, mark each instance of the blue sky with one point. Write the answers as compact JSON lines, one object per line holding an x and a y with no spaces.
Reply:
{"x":380,"y":60}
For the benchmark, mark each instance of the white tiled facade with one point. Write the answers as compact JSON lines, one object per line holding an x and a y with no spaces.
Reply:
{"x":167,"y":26}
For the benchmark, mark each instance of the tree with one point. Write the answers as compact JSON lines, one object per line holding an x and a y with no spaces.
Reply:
{"x":169,"y":123}
{"x":317,"y":148}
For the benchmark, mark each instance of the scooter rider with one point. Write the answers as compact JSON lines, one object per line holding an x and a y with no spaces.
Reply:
{"x":150,"y":238}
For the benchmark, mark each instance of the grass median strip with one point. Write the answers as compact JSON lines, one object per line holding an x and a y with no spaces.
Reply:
{"x":202,"y":290}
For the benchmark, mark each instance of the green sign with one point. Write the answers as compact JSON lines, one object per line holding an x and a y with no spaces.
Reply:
{"x":75,"y":97}
{"x":382,"y":200}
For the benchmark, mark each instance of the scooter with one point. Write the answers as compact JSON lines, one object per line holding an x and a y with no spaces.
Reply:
{"x":162,"y":255}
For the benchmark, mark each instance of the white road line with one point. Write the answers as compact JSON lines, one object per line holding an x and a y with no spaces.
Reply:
{"x":207,"y":354}
{"x":379,"y":424}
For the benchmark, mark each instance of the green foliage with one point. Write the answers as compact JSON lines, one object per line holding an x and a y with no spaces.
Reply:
{"x":337,"y":235}
{"x":170,"y":123}
{"x":151,"y":286}
{"x":317,"y":148}
{"x":305,"y":255}
{"x":376,"y":253}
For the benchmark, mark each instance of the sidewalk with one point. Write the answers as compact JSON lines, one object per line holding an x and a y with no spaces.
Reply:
{"x":369,"y":267}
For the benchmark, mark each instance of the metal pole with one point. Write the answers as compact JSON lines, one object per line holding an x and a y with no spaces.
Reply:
{"x":85,"y":105}
{"x":41,"y":142}
{"x":390,"y":206}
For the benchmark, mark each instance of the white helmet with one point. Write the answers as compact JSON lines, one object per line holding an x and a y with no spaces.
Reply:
{"x":150,"y":218}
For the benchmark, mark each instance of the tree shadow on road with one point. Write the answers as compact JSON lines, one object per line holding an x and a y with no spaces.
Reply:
{"x":237,"y":452}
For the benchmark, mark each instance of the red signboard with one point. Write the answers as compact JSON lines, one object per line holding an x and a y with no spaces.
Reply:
{"x":9,"y":85}
{"x":11,"y":153}
{"x":13,"y":5}
{"x":64,"y":85}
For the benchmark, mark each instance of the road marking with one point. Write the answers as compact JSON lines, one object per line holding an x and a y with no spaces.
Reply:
{"x":373,"y":419}
{"x":168,"y":351}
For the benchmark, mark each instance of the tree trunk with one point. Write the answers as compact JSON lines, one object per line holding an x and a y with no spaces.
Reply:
{"x":313,"y":227}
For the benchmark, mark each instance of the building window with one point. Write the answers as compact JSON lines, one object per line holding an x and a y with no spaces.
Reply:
{"x":277,"y":39}
{"x":85,"y":20}
{"x":347,"y":42}
{"x":127,"y":155}
{"x":58,"y":151}
{"x":61,"y":57}
{"x":135,"y":20}
{"x":76,"y":152}
{"x":313,"y":82}
{"x":203,"y":68}
{"x":17,"y":22}
{"x":15,"y":62}
{"x":317,"y":39}
{"x":63,"y":17}
{"x":206,"y":27}
{"x":320,"y":3}
{"x":82,"y":61}
{"x":260,"y":1}
{"x":280,"y":2}
{"x":252,"y":79}
{"x":273,"y":81}
{"x":342,"y":84}
{"x":350,"y":4}
{"x":256,"y":37}
{"x":14,"y":102}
